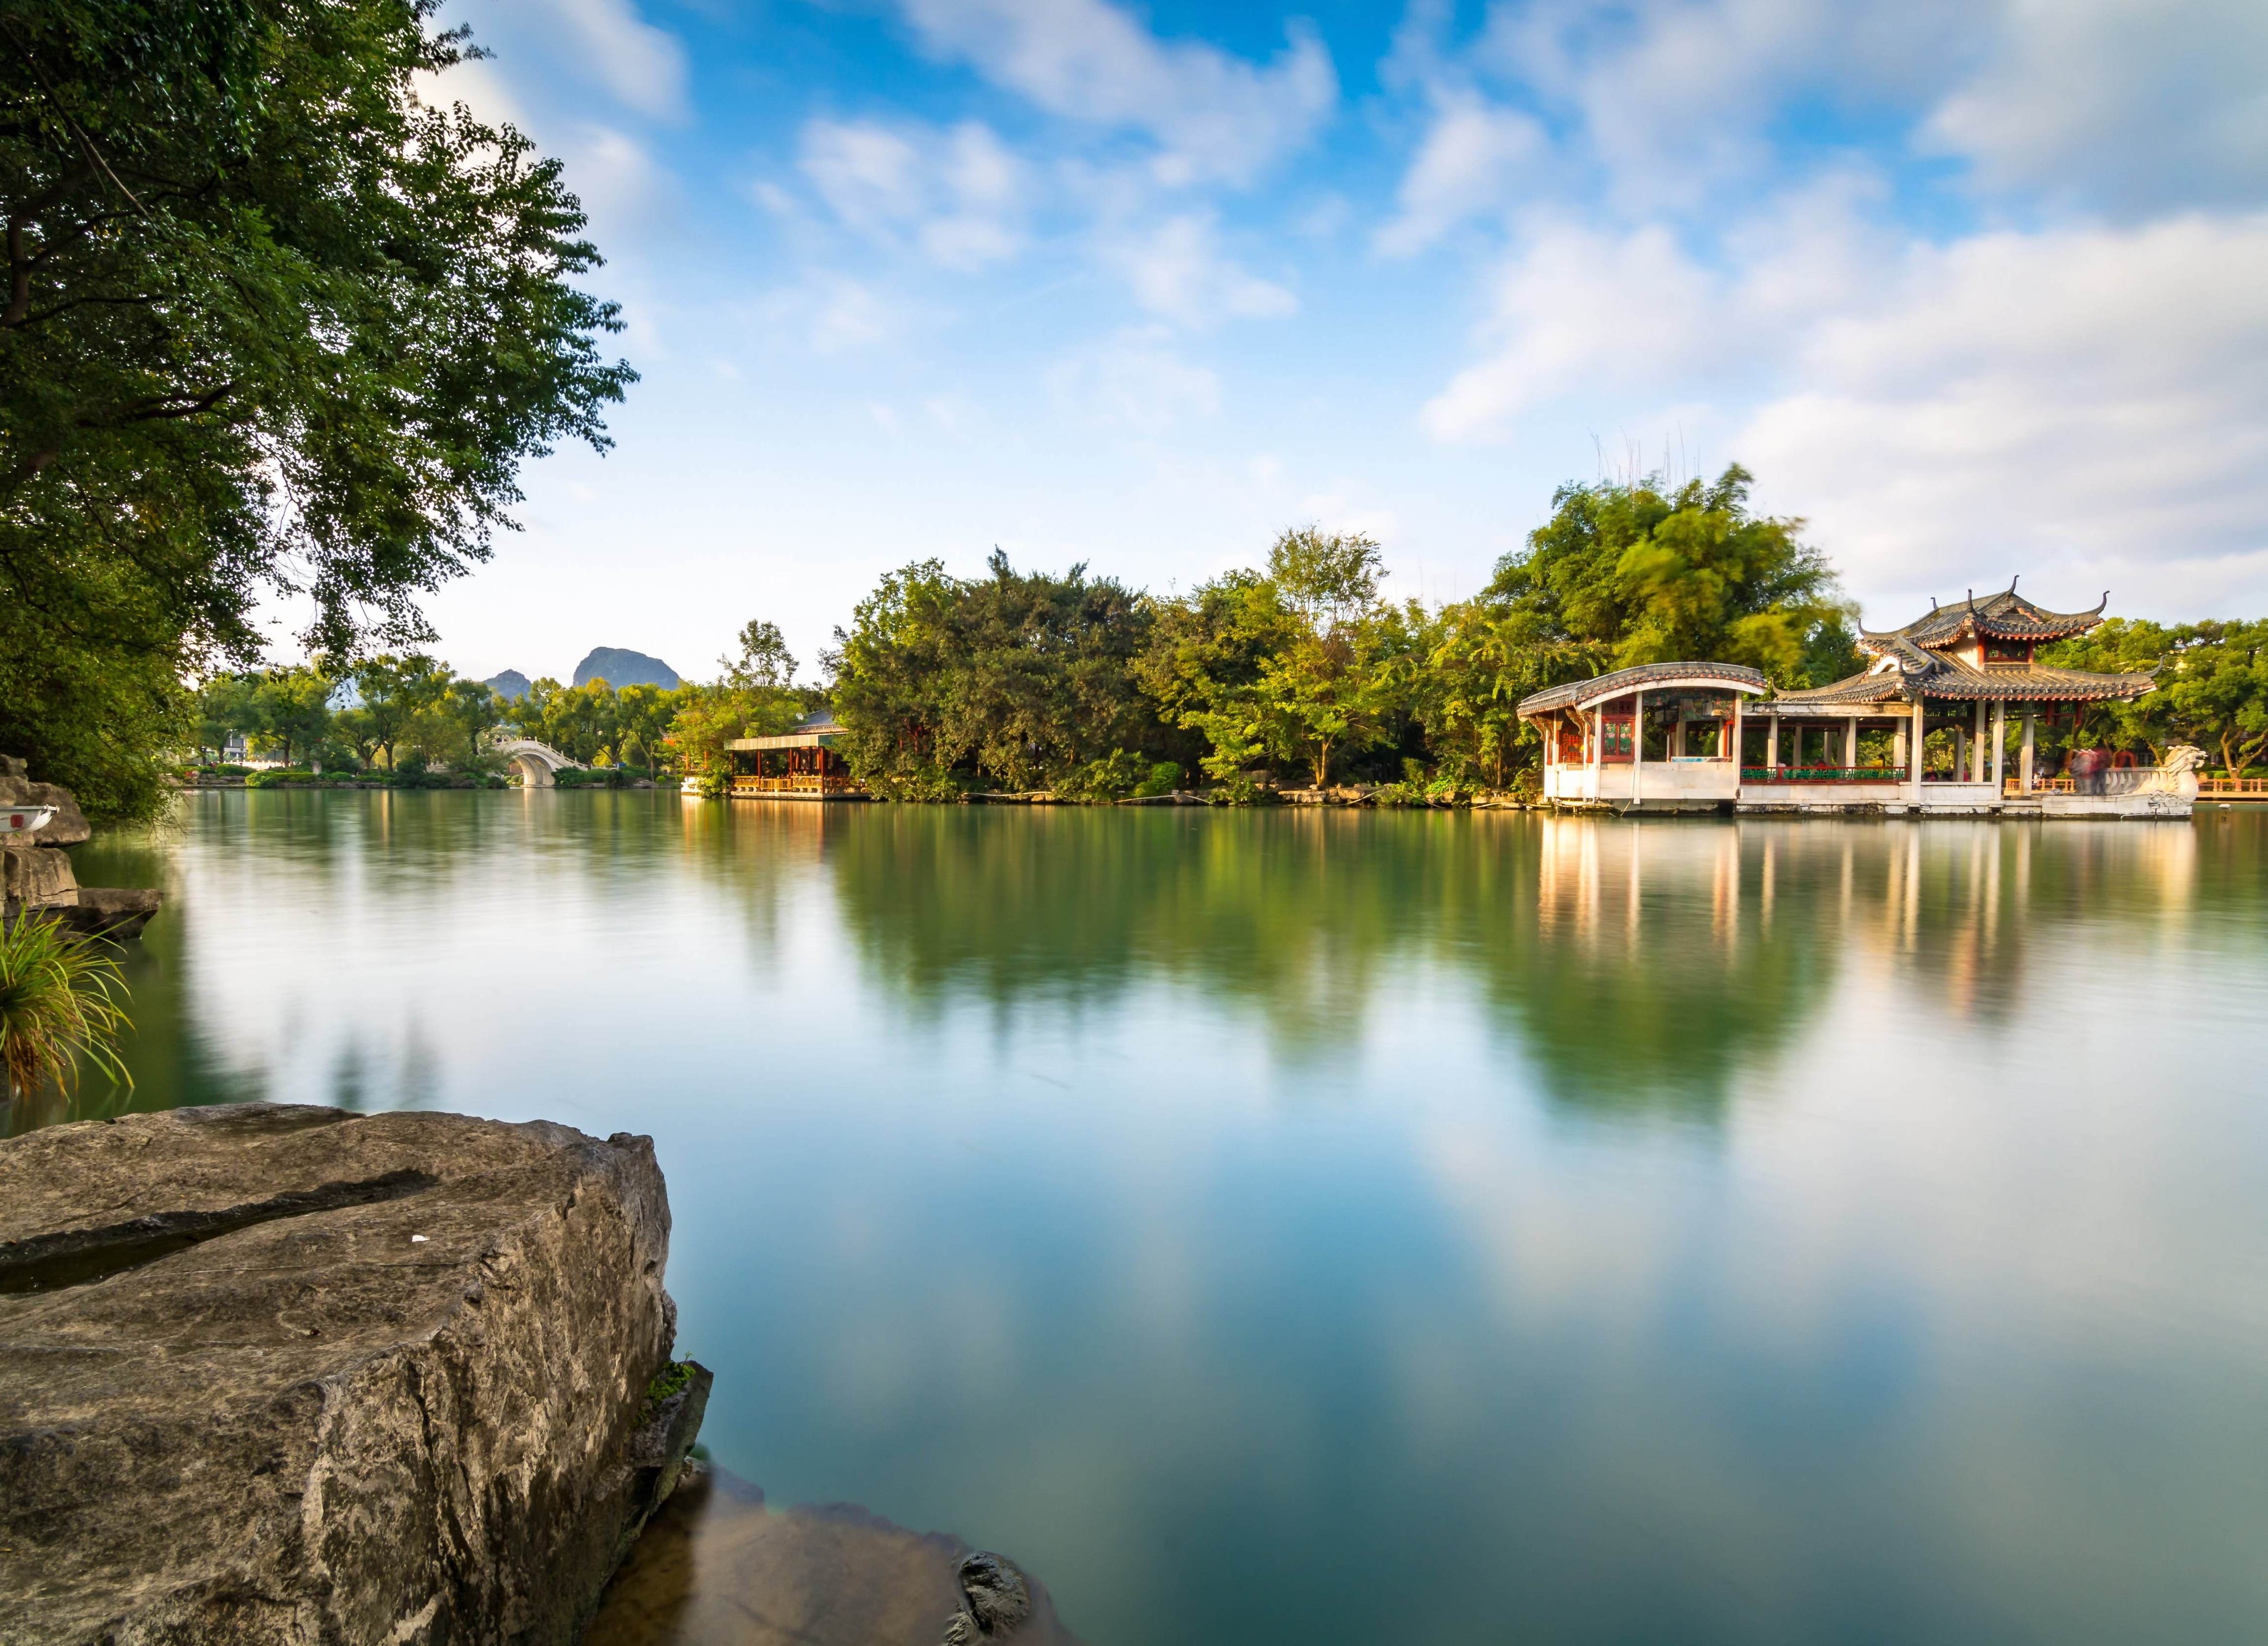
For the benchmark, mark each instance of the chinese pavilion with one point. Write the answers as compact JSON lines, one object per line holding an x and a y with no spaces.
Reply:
{"x":1963,"y":671}
{"x":800,"y":764}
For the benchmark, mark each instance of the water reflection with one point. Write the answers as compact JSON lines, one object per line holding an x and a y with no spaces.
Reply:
{"x":1643,"y":967}
{"x":1693,"y":1230}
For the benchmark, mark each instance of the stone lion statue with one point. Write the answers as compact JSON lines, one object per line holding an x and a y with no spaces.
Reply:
{"x":2175,"y":774}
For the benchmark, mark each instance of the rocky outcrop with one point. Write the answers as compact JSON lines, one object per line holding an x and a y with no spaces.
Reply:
{"x":36,"y":873}
{"x":277,"y":1375}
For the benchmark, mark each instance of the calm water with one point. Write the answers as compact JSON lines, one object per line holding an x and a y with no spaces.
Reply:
{"x":1292,"y":1228}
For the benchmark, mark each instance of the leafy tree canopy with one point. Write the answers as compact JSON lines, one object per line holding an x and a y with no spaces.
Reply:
{"x":270,"y":323}
{"x":1632,"y":573}
{"x":1017,"y":680}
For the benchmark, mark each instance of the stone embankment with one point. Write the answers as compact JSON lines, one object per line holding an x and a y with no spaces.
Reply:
{"x":285,"y":1375}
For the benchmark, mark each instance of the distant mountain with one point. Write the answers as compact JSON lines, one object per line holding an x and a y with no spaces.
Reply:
{"x":620,"y":667}
{"x":511,"y":685}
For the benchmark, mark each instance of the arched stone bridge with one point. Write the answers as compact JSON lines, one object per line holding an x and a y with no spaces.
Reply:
{"x":537,"y":762}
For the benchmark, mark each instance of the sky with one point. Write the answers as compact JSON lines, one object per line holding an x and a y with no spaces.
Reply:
{"x":1978,"y":288}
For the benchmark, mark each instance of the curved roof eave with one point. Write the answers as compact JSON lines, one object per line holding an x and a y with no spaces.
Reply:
{"x":1583,"y":693}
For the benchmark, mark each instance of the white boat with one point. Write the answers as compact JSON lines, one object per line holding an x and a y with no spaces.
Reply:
{"x":26,"y":819}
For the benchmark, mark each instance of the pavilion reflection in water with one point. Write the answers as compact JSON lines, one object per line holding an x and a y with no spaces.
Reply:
{"x":1668,"y":966}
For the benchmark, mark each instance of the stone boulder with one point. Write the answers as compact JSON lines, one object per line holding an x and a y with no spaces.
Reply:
{"x":276,"y":1375}
{"x":38,"y":876}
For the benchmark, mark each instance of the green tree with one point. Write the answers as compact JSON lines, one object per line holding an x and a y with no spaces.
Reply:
{"x":643,"y":717}
{"x":2211,"y":687}
{"x":292,"y":709}
{"x":450,"y":727}
{"x":271,"y":322}
{"x":1207,"y":657}
{"x":227,"y":705}
{"x":1633,"y":572}
{"x":394,"y":691}
{"x":1297,"y":664}
{"x":1017,"y":680}
{"x":1338,"y":686}
{"x":1479,"y":658}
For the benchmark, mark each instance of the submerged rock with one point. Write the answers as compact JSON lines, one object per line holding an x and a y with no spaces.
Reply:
{"x":995,"y":1598}
{"x":718,"y":1566}
{"x":279,"y":1374}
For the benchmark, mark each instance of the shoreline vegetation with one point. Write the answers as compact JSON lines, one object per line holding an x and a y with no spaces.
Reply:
{"x":1297,"y":681}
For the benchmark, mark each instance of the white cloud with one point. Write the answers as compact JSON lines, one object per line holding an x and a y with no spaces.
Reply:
{"x":1177,"y":269}
{"x":2092,"y":403}
{"x":1135,"y":381}
{"x":2132,"y":108}
{"x":1338,"y":511}
{"x":852,"y":315}
{"x":1669,"y":98}
{"x":607,"y":42}
{"x":474,"y":82}
{"x":955,"y":195}
{"x":1215,"y":115}
{"x":1472,"y":156}
{"x":626,"y":192}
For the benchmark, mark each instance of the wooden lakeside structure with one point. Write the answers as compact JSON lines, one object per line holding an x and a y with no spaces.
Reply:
{"x":798,"y":764}
{"x":1706,"y":736}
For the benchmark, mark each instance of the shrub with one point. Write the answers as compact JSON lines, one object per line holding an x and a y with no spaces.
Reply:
{"x":1164,"y":777}
{"x":59,"y":1003}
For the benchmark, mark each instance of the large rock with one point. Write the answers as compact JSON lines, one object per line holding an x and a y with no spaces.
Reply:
{"x":38,"y":876}
{"x":279,"y":1374}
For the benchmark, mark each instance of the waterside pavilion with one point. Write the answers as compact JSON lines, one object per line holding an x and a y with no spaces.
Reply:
{"x":798,"y":764}
{"x":1960,"y":671}
{"x":1661,"y":737}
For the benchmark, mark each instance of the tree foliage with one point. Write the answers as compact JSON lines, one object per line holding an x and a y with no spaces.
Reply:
{"x":2212,"y":689}
{"x":1628,"y":572}
{"x":755,"y":695}
{"x":1016,"y":681}
{"x":270,"y":323}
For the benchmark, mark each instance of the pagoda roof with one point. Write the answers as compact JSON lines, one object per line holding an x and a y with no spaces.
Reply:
{"x":1582,"y":693}
{"x":1906,"y":672}
{"x":2004,"y":615}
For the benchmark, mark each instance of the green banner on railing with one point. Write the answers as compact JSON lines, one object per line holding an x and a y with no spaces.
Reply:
{"x":1822,"y":774}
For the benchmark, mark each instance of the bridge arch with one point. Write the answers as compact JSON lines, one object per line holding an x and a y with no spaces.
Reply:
{"x":538,"y":765}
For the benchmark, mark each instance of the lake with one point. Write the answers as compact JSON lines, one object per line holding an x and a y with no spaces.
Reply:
{"x":1288,"y":1226}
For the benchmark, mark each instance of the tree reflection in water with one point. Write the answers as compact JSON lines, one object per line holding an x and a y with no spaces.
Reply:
{"x":1638,"y":965}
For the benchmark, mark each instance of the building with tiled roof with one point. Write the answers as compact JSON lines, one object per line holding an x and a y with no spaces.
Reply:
{"x":1980,"y":651}
{"x":1923,"y":728}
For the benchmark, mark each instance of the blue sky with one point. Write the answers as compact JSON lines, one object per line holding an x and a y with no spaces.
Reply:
{"x":1976,"y":288}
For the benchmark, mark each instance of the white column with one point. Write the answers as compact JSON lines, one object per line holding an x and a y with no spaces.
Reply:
{"x":1977,"y":761}
{"x":1918,"y":741}
{"x":1774,"y":762}
{"x":1739,"y":736}
{"x":2024,"y":762}
{"x":1851,"y":742}
{"x":1999,"y":747}
{"x":1638,"y":738}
